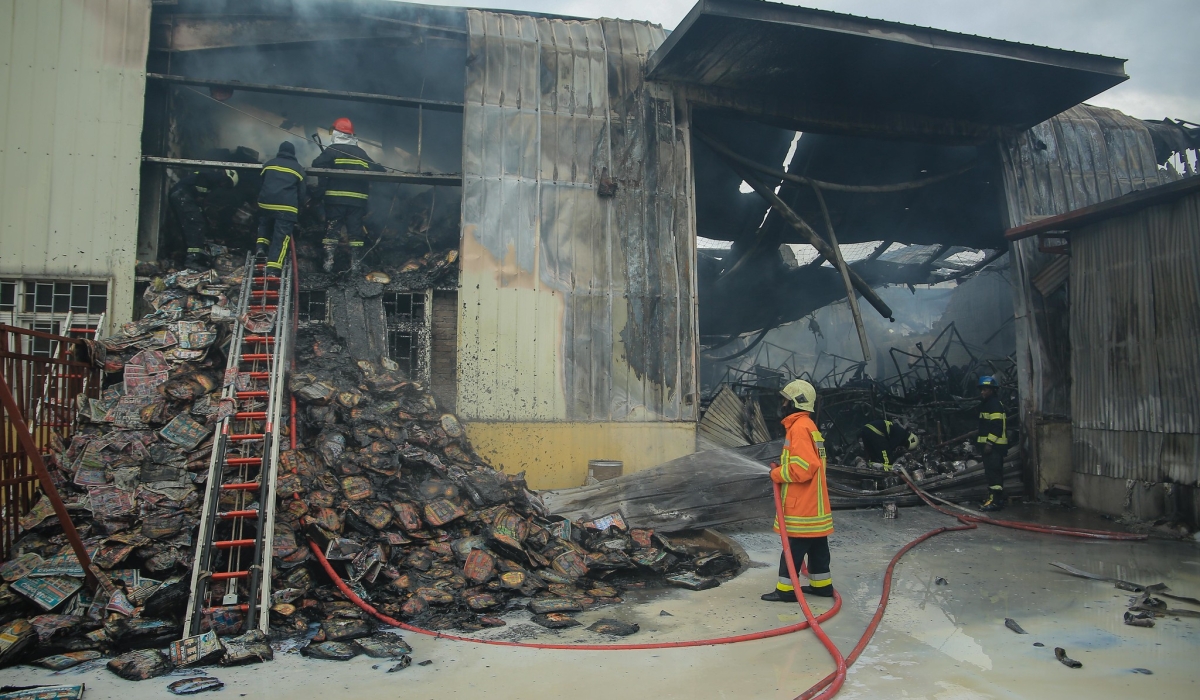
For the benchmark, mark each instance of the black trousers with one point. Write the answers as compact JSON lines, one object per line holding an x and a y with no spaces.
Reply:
{"x":817,"y":551}
{"x":280,"y":233}
{"x":993,"y":466}
{"x":191,"y":219}
{"x":876,"y":447}
{"x":338,"y":214}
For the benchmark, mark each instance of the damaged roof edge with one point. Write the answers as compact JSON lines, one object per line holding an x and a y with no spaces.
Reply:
{"x":887,"y":31}
{"x":1124,"y":204}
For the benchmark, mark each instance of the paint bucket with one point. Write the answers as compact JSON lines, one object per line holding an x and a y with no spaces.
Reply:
{"x":604,"y":469}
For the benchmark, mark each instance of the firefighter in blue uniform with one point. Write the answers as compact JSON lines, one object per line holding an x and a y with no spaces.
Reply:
{"x":279,"y":204}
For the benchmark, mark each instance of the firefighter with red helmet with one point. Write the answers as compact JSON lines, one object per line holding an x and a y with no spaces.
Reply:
{"x":345,"y":198}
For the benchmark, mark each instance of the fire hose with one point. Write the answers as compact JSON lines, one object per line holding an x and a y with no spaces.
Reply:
{"x":828,"y":686}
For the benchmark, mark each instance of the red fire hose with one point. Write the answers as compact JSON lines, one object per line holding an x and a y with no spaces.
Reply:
{"x":826,"y":687}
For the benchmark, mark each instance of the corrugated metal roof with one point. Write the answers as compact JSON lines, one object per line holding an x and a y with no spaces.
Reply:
{"x":896,"y":69}
{"x":573,"y":306}
{"x":72,"y":85}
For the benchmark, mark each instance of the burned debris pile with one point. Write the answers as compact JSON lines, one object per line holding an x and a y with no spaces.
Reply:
{"x":129,"y":479}
{"x":381,"y":480}
{"x":390,"y":489}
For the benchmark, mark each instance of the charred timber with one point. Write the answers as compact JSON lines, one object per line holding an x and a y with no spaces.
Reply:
{"x":435,"y":179}
{"x":395,"y":100}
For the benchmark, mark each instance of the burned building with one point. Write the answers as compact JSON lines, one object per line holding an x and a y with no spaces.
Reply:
{"x":547,"y":178}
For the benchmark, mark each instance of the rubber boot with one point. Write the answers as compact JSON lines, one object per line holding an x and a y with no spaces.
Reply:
{"x":822,"y":592}
{"x":330,"y":249}
{"x":260,"y":251}
{"x":355,"y":258}
{"x":994,"y":501}
{"x":778,"y":596}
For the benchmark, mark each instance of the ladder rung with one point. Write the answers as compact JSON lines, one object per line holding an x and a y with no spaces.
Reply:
{"x":243,"y":607}
{"x":250,"y":415}
{"x":259,"y":375}
{"x":251,"y":394}
{"x":254,"y":339}
{"x":263,"y":307}
{"x":247,"y":436}
{"x":256,"y":357}
{"x":241,"y":486}
{"x":264,"y":293}
{"x":230,"y":515}
{"x":239,"y":461}
{"x":265,"y":280}
{"x":231,"y":544}
{"x":226,"y":575}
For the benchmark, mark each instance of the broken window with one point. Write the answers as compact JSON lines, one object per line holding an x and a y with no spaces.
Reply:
{"x":47,"y":305}
{"x":313,"y":307}
{"x":408,"y":331}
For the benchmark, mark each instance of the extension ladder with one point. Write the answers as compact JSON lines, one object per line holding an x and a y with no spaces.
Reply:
{"x":232,"y":570}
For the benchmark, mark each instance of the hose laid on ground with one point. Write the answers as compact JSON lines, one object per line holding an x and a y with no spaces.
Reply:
{"x":969,"y":522}
{"x":838,"y":676}
{"x":368,"y":608}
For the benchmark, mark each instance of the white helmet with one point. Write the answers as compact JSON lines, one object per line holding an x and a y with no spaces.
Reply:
{"x":801,"y":394}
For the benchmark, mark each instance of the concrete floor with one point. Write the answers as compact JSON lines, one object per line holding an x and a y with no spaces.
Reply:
{"x":946,"y":642}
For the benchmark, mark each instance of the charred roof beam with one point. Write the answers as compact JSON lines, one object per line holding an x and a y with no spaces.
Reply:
{"x":435,"y":179}
{"x":394,"y":100}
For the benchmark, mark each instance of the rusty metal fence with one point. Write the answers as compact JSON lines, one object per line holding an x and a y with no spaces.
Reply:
{"x":42,"y":377}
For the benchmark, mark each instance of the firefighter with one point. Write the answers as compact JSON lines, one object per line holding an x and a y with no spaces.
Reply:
{"x":807,"y":518}
{"x":345,"y":198}
{"x":992,"y":442}
{"x":185,"y":198}
{"x":279,"y":204}
{"x":884,"y":440}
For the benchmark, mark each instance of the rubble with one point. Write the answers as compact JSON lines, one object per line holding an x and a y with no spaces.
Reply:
{"x":198,"y":684}
{"x":382,"y":480}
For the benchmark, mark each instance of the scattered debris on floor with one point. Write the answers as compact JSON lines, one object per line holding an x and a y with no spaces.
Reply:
{"x":1061,"y":655}
{"x":43,"y":692}
{"x":1012,"y":625}
{"x":198,"y":684}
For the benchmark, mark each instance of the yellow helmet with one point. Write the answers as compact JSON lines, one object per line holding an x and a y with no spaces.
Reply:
{"x":802,"y":394}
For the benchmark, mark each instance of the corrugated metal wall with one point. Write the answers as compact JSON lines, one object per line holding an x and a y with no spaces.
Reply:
{"x":573,"y":306}
{"x":1081,"y":157}
{"x":1135,"y":311}
{"x":71,"y":92}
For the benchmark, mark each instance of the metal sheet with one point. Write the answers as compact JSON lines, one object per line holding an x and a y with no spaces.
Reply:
{"x":1137,"y":455}
{"x":1081,"y":157}
{"x":1135,"y":308}
{"x":899,"y":71}
{"x":573,"y":306}
{"x":72,"y":82}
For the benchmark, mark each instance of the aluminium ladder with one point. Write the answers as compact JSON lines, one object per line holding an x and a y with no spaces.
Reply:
{"x":232,"y":570}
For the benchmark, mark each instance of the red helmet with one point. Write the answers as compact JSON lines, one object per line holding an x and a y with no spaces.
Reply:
{"x":343,"y":125}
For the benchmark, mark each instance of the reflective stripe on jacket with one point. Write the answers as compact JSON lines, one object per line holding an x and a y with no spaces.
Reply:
{"x":801,"y":475}
{"x":282,"y":189}
{"x":993,"y":424}
{"x":351,"y":192}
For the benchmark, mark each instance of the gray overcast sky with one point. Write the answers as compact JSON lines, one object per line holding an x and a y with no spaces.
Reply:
{"x":1160,"y":38}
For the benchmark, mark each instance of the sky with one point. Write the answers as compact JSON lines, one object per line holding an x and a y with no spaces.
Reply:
{"x":1160,"y":38}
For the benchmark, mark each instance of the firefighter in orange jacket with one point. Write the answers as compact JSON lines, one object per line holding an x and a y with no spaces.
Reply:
{"x":807,"y":518}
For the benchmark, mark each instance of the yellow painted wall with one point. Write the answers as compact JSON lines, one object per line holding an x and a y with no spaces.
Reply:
{"x":555,"y":455}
